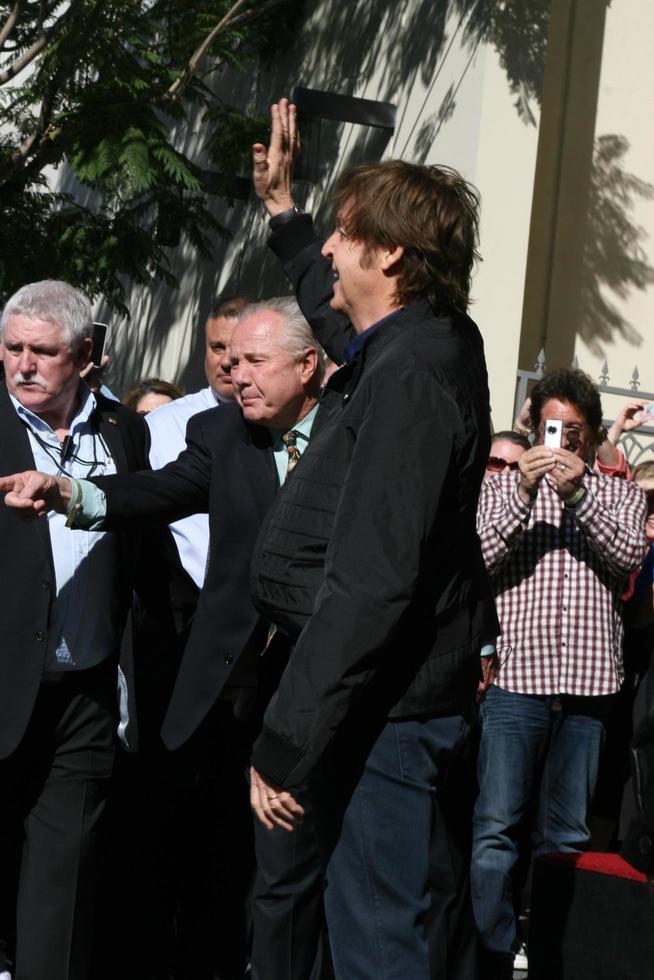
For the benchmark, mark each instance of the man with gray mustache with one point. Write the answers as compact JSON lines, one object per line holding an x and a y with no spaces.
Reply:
{"x":65,"y":599}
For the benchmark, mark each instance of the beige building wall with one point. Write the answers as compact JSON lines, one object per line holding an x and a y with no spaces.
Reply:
{"x":564,"y":164}
{"x":620,"y":323}
{"x":505,"y":175}
{"x":455,"y":106}
{"x":590,"y":270}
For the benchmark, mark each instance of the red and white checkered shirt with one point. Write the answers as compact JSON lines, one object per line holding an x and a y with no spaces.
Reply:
{"x":558,"y":574}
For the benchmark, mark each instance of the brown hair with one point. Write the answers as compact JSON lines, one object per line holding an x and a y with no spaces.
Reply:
{"x":508,"y":435}
{"x":228,"y":306}
{"x":568,"y":385}
{"x":147,"y":386}
{"x":432,"y":212}
{"x":644,"y":471}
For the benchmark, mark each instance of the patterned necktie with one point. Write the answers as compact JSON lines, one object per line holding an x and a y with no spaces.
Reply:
{"x":290,"y":441}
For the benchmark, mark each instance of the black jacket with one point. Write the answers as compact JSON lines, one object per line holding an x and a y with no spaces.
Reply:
{"x":227,"y":470}
{"x":370,"y":552}
{"x":28,"y":572}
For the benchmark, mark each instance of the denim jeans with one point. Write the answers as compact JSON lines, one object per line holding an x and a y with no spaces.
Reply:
{"x":377,"y":894}
{"x":530,"y":744}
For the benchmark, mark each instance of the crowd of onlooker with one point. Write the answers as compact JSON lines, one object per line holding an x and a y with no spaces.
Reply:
{"x":554,"y":728}
{"x":371,"y":660}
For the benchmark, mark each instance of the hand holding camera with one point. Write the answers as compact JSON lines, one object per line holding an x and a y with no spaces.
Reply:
{"x":567,"y":474}
{"x":533,"y":466}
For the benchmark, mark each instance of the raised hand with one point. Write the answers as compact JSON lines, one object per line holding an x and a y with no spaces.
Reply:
{"x":32,"y":494}
{"x":533,"y":465}
{"x":92,"y":373}
{"x":272,"y":167}
{"x":523,"y":418}
{"x":568,"y":473}
{"x":629,"y":417}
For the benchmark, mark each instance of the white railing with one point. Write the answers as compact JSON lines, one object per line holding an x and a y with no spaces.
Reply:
{"x":636,"y":444}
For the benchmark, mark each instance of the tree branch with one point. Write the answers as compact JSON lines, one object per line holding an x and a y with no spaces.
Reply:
{"x":252,"y":14}
{"x":228,"y":23}
{"x":180,"y":83}
{"x":44,"y":38}
{"x":17,"y":160}
{"x":10,"y":22}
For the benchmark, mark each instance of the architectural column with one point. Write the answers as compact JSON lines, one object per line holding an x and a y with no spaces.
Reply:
{"x":562,"y":181}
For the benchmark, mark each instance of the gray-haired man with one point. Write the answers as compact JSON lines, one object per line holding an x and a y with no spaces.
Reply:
{"x":65,"y":598}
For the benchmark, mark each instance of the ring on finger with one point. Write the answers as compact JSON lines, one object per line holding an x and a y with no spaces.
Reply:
{"x":562,"y":467}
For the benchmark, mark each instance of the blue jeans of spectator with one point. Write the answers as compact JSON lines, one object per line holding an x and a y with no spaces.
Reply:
{"x":378,"y":889}
{"x":540,"y":747}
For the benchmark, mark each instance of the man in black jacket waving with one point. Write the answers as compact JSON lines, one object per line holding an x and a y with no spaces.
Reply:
{"x":369,"y":559}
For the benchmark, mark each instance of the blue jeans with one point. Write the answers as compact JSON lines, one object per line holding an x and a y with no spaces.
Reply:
{"x":538,"y":745}
{"x":377,"y":894}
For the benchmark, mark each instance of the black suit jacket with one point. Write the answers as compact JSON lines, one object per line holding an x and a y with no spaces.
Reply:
{"x":227,"y":470}
{"x":27,"y":567}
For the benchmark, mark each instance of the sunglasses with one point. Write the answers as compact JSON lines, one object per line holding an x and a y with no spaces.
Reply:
{"x":497,"y":465}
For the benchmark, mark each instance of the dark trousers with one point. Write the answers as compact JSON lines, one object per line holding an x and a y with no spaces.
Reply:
{"x":387,"y":876}
{"x":182,"y":857}
{"x":54,"y":788}
{"x":288,"y":917}
{"x":289,"y":941}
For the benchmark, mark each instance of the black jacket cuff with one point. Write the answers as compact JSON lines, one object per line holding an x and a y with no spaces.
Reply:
{"x":278,"y":760}
{"x":289,"y":239}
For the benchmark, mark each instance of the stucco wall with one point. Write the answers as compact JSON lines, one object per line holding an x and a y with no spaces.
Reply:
{"x":455,"y":106}
{"x":619,"y":315}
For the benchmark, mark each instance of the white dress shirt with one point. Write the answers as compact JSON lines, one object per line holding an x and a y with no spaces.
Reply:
{"x":83,"y":627}
{"x":167,"y":426}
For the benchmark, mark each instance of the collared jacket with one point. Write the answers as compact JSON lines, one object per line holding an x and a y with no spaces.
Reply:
{"x":369,"y":556}
{"x":228,"y":471}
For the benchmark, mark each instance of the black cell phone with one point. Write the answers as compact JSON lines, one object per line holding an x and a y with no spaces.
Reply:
{"x":99,"y":337}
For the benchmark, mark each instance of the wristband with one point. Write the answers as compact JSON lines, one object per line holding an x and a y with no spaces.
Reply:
{"x":576,"y":497}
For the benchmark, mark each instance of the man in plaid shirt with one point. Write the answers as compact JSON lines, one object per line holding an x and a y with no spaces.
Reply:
{"x":559,"y":541}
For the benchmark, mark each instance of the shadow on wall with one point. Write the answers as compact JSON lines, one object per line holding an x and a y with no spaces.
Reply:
{"x":400,"y":44}
{"x":615,"y":261}
{"x":518,"y":31}
{"x":137,"y":346}
{"x":382,"y":49}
